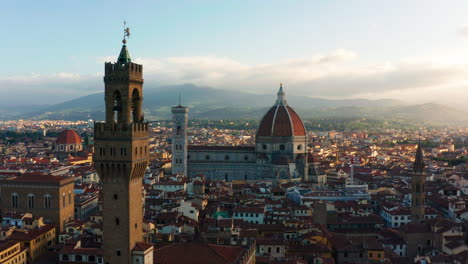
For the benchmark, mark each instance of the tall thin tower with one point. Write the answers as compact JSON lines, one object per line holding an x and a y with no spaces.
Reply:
{"x":179,"y":138}
{"x":121,"y":157}
{"x":418,"y":189}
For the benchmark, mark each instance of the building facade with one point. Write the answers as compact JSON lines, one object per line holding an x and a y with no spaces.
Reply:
{"x":279,"y":153}
{"x":179,"y":139}
{"x":51,"y":197}
{"x":121,"y":158}
{"x":11,"y":252}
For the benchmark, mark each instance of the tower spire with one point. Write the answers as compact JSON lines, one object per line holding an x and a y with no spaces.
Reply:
{"x":419,"y":165}
{"x":281,"y":96}
{"x":179,"y":99}
{"x":418,"y":192}
{"x":124,"y":56}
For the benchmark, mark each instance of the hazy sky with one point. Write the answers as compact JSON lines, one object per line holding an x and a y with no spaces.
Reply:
{"x":414,"y":50}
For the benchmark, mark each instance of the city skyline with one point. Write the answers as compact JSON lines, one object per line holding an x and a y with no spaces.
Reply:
{"x":408,"y":51}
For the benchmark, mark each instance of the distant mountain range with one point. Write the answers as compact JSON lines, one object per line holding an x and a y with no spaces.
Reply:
{"x":209,"y":103}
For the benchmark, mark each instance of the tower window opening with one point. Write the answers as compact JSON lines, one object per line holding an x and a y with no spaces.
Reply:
{"x":136,"y":106}
{"x":118,"y":253}
{"x":281,"y":147}
{"x":116,"y":196}
{"x":179,"y":130}
{"x":117,"y":107}
{"x":117,"y":221}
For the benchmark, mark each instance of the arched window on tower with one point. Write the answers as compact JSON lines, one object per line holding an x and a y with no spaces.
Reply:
{"x":179,"y":129}
{"x":136,"y":106}
{"x":117,"y":107}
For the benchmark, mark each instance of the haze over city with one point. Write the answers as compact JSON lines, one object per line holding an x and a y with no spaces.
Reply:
{"x":413,"y":51}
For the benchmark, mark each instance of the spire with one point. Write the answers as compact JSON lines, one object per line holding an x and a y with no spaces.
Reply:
{"x":179,"y":98}
{"x":124,"y":56}
{"x":419,"y":160}
{"x":281,"y":96}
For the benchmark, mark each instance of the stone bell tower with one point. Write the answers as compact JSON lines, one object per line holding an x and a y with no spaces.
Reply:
{"x":121,"y":157}
{"x":179,"y":139}
{"x":418,"y":189}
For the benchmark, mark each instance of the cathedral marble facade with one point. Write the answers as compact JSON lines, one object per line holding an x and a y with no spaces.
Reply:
{"x":279,"y":153}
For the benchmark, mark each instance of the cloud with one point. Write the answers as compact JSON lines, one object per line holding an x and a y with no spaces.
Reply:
{"x":53,"y":88}
{"x":328,"y":75}
{"x":337,"y":74}
{"x":464,"y":30}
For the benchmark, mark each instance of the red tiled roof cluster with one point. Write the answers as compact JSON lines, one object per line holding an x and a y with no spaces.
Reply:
{"x":197,"y":253}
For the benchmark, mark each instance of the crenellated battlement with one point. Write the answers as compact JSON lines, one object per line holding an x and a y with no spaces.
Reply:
{"x":136,"y":130}
{"x":179,"y":109}
{"x":118,"y":71}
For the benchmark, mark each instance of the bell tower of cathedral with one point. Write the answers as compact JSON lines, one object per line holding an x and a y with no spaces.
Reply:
{"x":121,"y":157}
{"x":418,"y":190}
{"x":179,"y":139}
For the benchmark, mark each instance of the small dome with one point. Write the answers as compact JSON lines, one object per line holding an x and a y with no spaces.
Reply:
{"x":68,"y":137}
{"x":281,"y":120}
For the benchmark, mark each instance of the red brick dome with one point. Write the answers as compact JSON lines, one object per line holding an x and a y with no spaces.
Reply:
{"x":281,"y":120}
{"x":68,"y":137}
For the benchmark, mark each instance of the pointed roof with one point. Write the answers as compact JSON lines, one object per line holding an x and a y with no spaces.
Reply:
{"x":281,"y":96}
{"x":124,"y":57}
{"x":419,"y":160}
